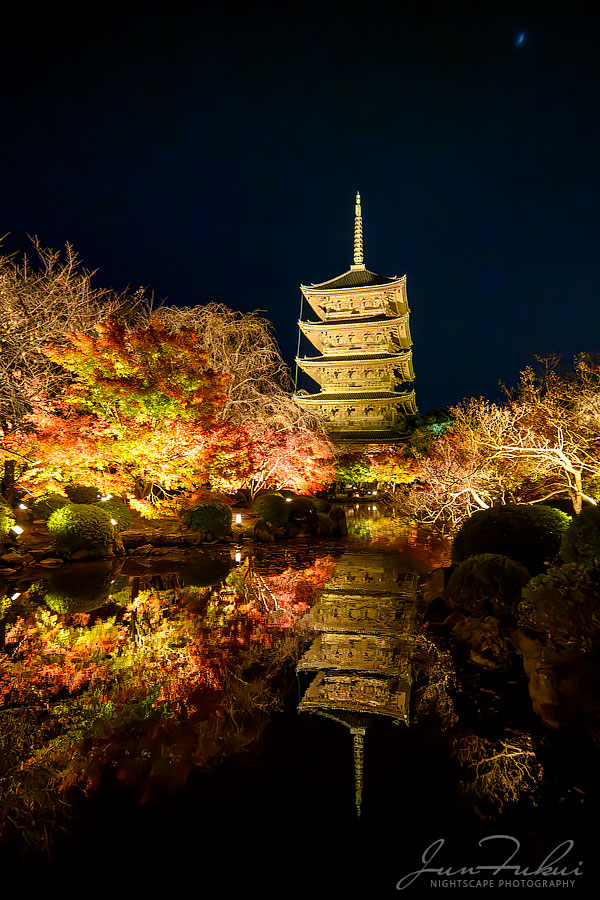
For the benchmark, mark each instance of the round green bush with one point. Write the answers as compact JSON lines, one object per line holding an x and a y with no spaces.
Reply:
{"x":213,"y":517}
{"x":80,"y":526}
{"x":530,"y":535}
{"x":44,"y":506}
{"x":273,"y":508}
{"x":486,"y":584}
{"x":322,"y":506}
{"x":117,"y":511}
{"x":7,"y":519}
{"x":82,"y":493}
{"x":581,"y":540}
{"x":564,"y":603}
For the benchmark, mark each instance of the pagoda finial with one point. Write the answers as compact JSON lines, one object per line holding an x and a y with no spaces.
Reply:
{"x":359,"y":260}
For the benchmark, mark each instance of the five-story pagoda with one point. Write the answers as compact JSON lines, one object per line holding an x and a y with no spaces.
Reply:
{"x":364,"y":340}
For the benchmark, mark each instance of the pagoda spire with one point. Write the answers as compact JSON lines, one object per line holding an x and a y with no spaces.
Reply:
{"x":359,"y":260}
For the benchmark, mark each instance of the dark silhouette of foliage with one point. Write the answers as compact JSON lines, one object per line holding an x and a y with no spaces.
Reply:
{"x":208,"y":517}
{"x":44,"y":506}
{"x":487,"y":584}
{"x":581,"y":540}
{"x":530,"y":535}
{"x":562,"y":603}
{"x":81,"y":493}
{"x":273,"y":508}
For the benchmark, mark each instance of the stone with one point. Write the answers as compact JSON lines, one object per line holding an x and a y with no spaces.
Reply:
{"x":50,"y":562}
{"x":79,"y":555}
{"x":13,"y":559}
{"x":262,"y":532}
{"x":337,"y":514}
{"x":489,"y":644}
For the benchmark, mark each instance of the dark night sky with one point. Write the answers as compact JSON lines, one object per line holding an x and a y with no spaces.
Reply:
{"x":215,"y":156}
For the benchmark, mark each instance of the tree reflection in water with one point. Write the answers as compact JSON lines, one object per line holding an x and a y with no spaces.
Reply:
{"x":141,"y":678}
{"x":140,"y":694}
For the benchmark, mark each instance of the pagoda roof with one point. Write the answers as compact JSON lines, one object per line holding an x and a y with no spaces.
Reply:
{"x":354,"y":323}
{"x":355,"y":320}
{"x":353,"y":278}
{"x":366,"y":357}
{"x":355,"y":395}
{"x":386,"y":436}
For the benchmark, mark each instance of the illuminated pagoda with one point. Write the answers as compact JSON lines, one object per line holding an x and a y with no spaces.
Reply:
{"x":364,"y":343}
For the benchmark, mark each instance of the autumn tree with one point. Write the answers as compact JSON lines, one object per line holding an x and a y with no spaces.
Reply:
{"x":41,"y":299}
{"x":243,"y":346}
{"x":139,"y":408}
{"x":541,"y":443}
{"x":549,"y":430}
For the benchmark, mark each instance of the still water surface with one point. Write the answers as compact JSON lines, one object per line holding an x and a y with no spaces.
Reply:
{"x":368,"y":742}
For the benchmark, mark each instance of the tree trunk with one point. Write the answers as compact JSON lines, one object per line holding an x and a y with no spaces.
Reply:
{"x":8,"y":481}
{"x":577,"y":496}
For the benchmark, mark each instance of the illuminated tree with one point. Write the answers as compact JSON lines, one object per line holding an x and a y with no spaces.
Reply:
{"x":543,"y":442}
{"x":242,"y":345}
{"x":40,"y":301}
{"x":139,"y":408}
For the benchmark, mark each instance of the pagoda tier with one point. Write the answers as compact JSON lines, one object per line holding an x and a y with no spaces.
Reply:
{"x":350,"y":297}
{"x":380,"y":335}
{"x":351,"y":373}
{"x":363,"y":336}
{"x":376,"y":411}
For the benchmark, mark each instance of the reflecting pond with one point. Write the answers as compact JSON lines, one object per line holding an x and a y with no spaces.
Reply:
{"x":273,"y":716}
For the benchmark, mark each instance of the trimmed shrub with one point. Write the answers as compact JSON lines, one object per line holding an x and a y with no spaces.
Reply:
{"x":117,"y":511}
{"x":273,"y":508}
{"x":322,"y":506}
{"x":487,"y":584}
{"x":44,"y":506}
{"x":7,"y":519}
{"x":82,"y":493}
{"x":564,"y":603}
{"x":530,"y":535}
{"x":80,"y":526}
{"x":214,"y":517}
{"x":581,"y":540}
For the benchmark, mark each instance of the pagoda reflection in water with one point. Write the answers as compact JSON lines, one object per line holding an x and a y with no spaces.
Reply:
{"x":360,"y":660}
